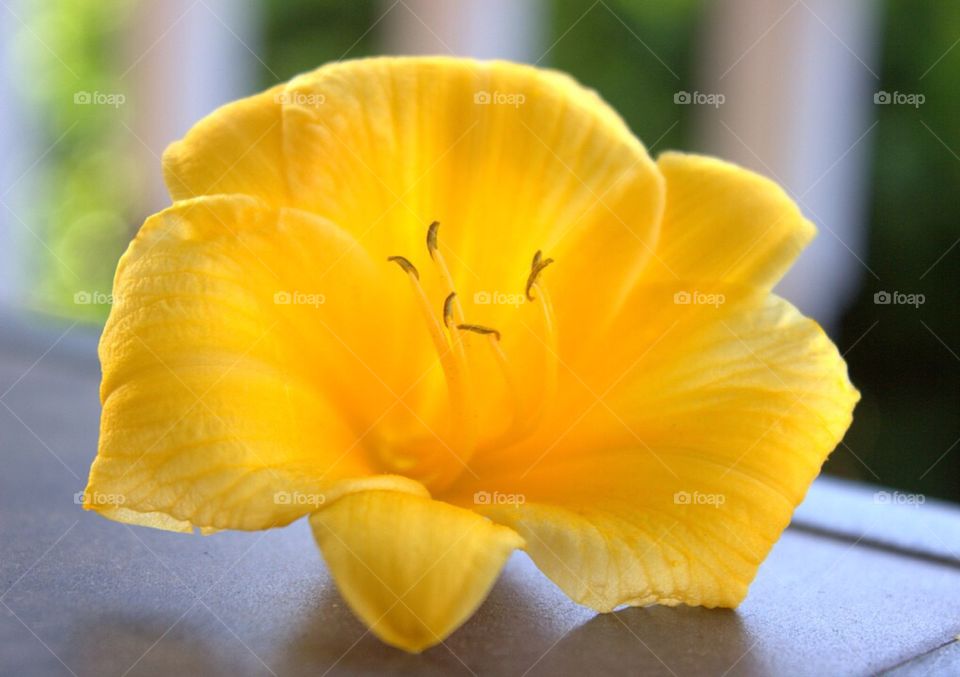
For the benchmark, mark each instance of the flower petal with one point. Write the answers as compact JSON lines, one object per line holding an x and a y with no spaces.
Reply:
{"x":225,"y":406}
{"x":411,"y":568}
{"x":725,"y":224}
{"x":704,"y":442}
{"x":237,"y":149}
{"x":509,"y":158}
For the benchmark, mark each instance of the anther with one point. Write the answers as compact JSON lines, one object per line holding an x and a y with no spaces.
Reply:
{"x":432,"y":231}
{"x":448,"y":308}
{"x":480,"y":329}
{"x":538,"y":265}
{"x":404,"y":263}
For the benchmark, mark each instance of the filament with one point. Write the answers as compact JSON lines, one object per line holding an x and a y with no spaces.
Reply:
{"x":454,"y":365}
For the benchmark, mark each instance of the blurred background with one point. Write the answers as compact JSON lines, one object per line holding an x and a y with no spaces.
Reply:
{"x":852,"y":106}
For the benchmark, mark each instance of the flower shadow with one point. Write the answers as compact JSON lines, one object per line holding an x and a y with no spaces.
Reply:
{"x":655,"y":640}
{"x":527,"y":626}
{"x":509,"y":629}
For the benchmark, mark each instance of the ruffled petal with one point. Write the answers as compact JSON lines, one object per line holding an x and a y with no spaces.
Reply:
{"x":226,"y":389}
{"x":672,"y":481}
{"x":724,"y":225}
{"x":412,"y":569}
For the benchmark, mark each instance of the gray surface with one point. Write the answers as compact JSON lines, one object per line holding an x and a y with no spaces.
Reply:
{"x":882,"y":517}
{"x":857,"y":587}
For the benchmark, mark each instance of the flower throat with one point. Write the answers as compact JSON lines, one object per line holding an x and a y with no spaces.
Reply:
{"x":448,"y":330}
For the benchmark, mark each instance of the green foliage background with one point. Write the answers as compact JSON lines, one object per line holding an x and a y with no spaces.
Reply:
{"x":89,"y":184}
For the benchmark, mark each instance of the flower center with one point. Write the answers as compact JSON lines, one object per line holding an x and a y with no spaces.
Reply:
{"x":437,"y":462}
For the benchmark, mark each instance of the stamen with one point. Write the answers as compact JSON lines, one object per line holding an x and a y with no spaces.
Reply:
{"x":480,"y":329}
{"x":525,"y":420}
{"x":432,"y":231}
{"x":453,"y":311}
{"x":436,"y":331}
{"x":448,"y":309}
{"x":552,"y":360}
{"x":453,"y":362}
{"x":535,"y":269}
{"x":433,"y":247}
{"x":406,"y":265}
{"x":513,"y":391}
{"x":453,"y":315}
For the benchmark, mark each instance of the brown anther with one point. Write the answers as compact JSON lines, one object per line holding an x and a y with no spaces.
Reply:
{"x":432,"y":231}
{"x":479,"y":329}
{"x":404,"y":263}
{"x":539,"y":264}
{"x":448,"y":308}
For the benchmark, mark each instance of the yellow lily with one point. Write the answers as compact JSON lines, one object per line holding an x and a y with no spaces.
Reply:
{"x":449,"y":309}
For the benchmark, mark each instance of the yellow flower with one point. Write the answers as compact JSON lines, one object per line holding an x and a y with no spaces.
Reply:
{"x":584,"y":360}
